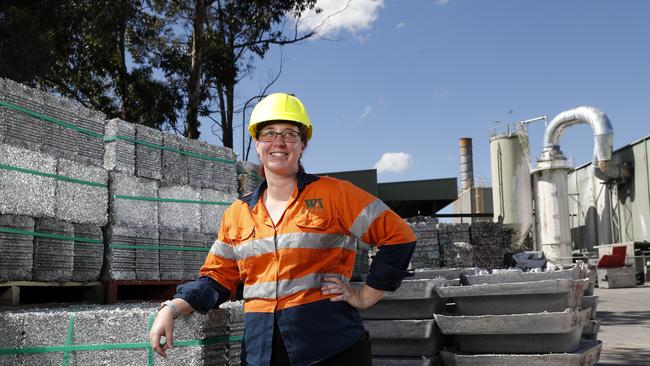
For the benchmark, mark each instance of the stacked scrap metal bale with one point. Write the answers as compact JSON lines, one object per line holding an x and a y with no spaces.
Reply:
{"x":248,"y":177}
{"x":514,"y":318}
{"x":427,"y":250}
{"x":167,"y":196}
{"x":53,"y":189}
{"x":117,"y":335}
{"x":490,"y":242}
{"x":482,"y":244}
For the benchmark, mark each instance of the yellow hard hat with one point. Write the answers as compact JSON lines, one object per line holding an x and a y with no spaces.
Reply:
{"x":279,"y":107}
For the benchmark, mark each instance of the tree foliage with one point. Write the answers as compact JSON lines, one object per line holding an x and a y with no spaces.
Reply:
{"x":155,"y":62}
{"x":80,"y":49}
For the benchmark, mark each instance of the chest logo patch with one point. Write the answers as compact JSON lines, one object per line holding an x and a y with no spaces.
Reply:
{"x":314,"y":203}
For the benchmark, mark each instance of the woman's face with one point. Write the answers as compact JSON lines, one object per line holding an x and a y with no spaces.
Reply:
{"x":279,"y":155}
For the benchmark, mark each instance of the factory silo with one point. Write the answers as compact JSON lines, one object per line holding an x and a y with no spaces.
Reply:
{"x":511,"y":184}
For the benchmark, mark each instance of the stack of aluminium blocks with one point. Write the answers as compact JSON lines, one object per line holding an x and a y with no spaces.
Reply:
{"x":117,"y":335}
{"x":167,"y":197}
{"x":53,"y":188}
{"x":515,"y":318}
{"x":401,"y":325}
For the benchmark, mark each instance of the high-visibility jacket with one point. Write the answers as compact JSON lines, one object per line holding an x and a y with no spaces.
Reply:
{"x":282,"y":266}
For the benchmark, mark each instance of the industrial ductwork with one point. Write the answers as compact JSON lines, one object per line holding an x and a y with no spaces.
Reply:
{"x":604,"y":169}
{"x":550,"y":176}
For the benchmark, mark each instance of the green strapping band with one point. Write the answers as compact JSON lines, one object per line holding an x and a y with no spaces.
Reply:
{"x":152,"y":316}
{"x":163,"y":247}
{"x":68,"y":340}
{"x":161,"y":147}
{"x":103,"y":347}
{"x":55,"y":176}
{"x":49,"y":119}
{"x":47,"y":235}
{"x":174,"y":200}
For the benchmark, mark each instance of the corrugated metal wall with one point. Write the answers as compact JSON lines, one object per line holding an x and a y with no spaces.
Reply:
{"x":605,"y":214}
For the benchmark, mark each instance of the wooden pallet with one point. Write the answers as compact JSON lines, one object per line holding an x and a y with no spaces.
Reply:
{"x":14,"y":293}
{"x":139,"y":290}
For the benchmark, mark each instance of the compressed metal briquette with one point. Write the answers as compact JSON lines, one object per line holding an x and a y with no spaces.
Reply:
{"x":174,"y":164}
{"x":16,"y":261}
{"x":12,"y":337}
{"x":22,"y":130}
{"x":53,"y":258}
{"x":104,"y":326}
{"x":23,"y":193}
{"x":211,"y":214}
{"x":198,"y":169}
{"x":203,"y":168}
{"x":213,"y":355}
{"x":180,"y":215}
{"x":119,"y":154}
{"x":224,"y":174}
{"x":247,"y":177}
{"x":136,"y":211}
{"x":43,"y":328}
{"x":3,"y":113}
{"x":146,"y":261}
{"x":81,"y":203}
{"x":88,"y":257}
{"x":171,"y":261}
{"x":90,"y":149}
{"x":111,"y":325}
{"x":148,"y":159}
{"x":213,"y":324}
{"x":120,"y":262}
{"x":59,"y":141}
{"x":193,"y":260}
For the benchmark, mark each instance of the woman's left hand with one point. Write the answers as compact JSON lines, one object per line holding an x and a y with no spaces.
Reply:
{"x":359,"y":298}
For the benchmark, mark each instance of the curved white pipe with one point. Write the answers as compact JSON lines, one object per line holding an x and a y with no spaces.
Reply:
{"x":599,"y":122}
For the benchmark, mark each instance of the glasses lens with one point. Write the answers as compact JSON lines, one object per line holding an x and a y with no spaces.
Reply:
{"x":287,"y":136}
{"x":267,"y":136}
{"x":290,"y":136}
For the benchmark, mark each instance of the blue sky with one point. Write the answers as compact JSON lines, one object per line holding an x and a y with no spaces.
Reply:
{"x":411,"y":77}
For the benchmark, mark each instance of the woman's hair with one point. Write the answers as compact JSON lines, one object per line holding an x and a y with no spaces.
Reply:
{"x":303,"y":137}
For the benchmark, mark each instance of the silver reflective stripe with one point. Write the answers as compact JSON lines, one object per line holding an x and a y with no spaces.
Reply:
{"x":267,"y":290}
{"x":254,"y":247}
{"x":223,"y":250}
{"x":366,"y":217}
{"x":316,"y":241}
{"x":294,"y":240}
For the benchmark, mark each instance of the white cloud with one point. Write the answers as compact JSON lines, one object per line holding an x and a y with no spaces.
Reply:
{"x":441,"y":2}
{"x":400,"y":25}
{"x":355,"y":16}
{"x":398,"y":162}
{"x":366,"y":112}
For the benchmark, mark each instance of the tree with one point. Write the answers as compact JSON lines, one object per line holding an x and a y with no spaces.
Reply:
{"x":153,"y":62}
{"x":227,"y":36}
{"x":80,"y":49}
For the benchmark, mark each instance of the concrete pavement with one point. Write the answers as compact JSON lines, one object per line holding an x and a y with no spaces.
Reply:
{"x":624,"y":314}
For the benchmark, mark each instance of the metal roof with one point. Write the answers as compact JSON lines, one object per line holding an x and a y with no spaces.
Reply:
{"x":407,"y":198}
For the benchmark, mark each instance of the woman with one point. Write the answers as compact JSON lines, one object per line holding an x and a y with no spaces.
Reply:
{"x":292,"y":242}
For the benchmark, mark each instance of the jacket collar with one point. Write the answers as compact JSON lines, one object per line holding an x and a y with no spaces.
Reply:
{"x":303,"y":180}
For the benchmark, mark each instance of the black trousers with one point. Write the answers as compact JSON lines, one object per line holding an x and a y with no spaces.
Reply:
{"x":358,"y":354}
